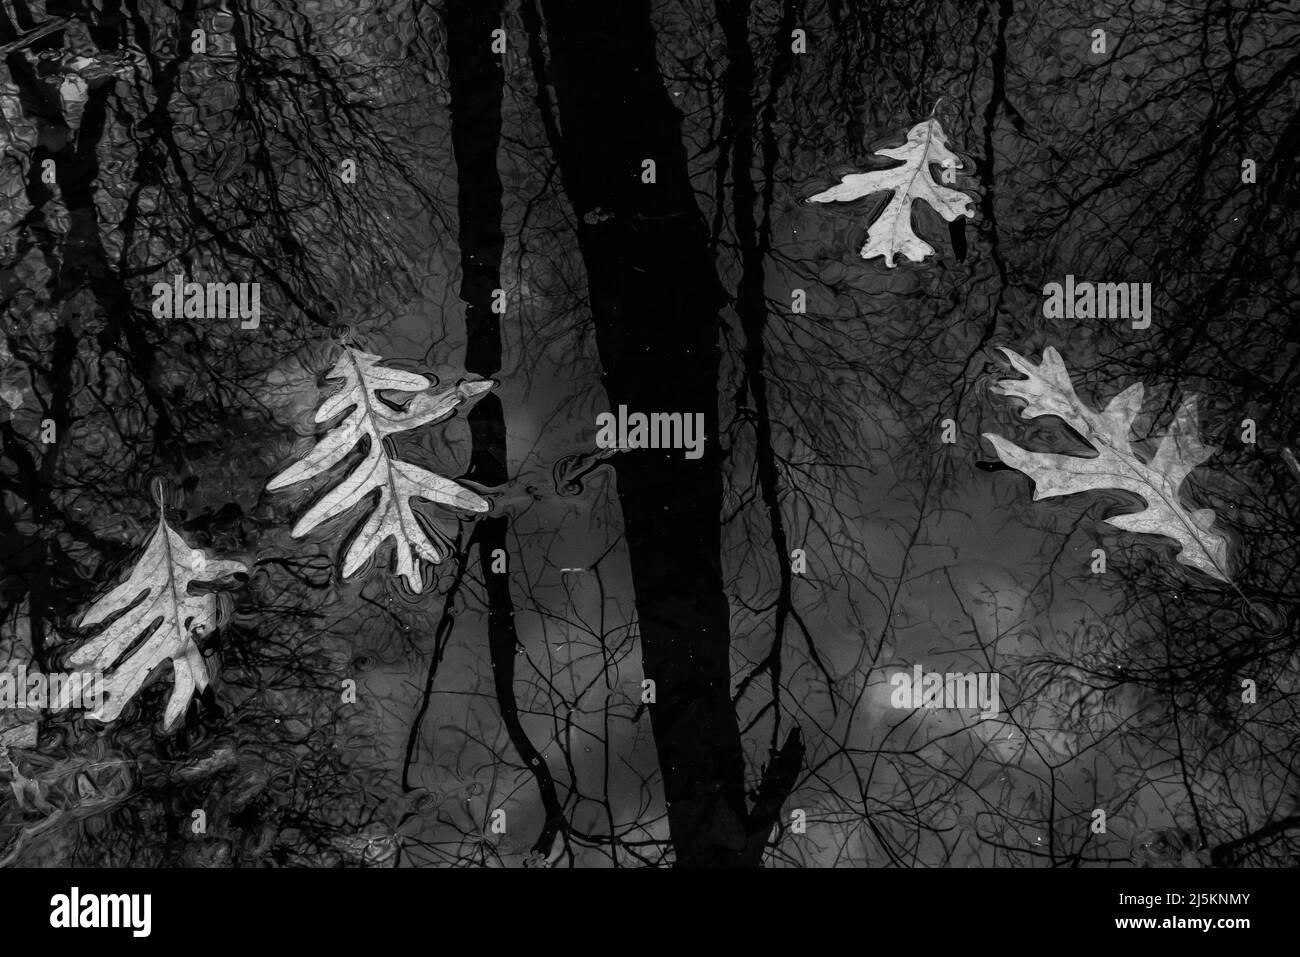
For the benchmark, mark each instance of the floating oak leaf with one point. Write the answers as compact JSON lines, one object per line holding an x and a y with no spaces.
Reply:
{"x":397,"y":483}
{"x":891,"y":233}
{"x":155,"y":617}
{"x":1047,"y":391}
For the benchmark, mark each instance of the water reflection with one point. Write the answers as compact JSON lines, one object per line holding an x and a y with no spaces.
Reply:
{"x":307,"y":147}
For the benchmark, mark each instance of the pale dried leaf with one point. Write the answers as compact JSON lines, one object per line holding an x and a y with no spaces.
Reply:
{"x":156,"y":601}
{"x":1047,"y":390}
{"x":398,"y":483}
{"x":891,"y":233}
{"x":73,"y":91}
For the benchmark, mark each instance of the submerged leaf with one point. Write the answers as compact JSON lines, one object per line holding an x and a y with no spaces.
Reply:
{"x":892,"y":232}
{"x":397,"y":482}
{"x":1047,"y":391}
{"x":28,"y":792}
{"x":155,"y":602}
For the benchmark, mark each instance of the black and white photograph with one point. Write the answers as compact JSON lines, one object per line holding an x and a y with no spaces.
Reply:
{"x":837,"y":435}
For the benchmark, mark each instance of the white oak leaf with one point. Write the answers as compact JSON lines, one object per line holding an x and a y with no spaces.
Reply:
{"x":891,"y":233}
{"x":369,"y":416}
{"x":1047,"y":390}
{"x":154,"y":603}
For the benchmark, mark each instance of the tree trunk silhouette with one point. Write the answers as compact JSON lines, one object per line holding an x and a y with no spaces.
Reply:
{"x":476,"y":83}
{"x":655,"y":297}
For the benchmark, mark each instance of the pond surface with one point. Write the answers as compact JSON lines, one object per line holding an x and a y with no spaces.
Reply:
{"x":866,"y":527}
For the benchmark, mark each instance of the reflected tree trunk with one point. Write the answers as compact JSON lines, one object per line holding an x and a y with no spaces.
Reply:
{"x":476,"y":82}
{"x":655,"y":297}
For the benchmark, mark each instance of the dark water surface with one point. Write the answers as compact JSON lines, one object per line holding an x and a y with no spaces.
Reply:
{"x":522,"y":692}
